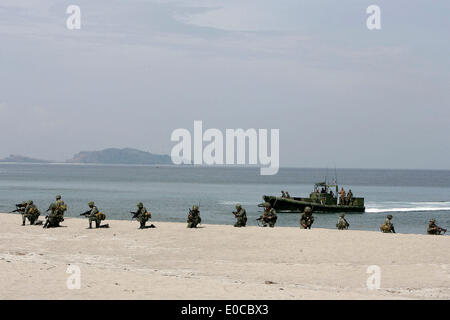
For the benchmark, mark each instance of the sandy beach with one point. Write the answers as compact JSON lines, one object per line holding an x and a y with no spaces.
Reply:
{"x":217,"y":262}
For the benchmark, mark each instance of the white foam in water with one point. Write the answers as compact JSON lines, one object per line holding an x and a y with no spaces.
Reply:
{"x":412,"y":207}
{"x":229,"y":203}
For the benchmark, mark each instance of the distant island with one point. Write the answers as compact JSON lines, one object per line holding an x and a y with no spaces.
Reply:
{"x":120,"y":156}
{"x":107,"y":156}
{"x":22,"y":159}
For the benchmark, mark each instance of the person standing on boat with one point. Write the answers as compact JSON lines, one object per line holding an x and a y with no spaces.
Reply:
{"x":306,"y":219}
{"x":342,"y":224}
{"x":350,"y":197}
{"x":241,"y":216}
{"x":342,"y":197}
{"x":387,"y":226}
{"x":283,"y":195}
{"x":288,"y":195}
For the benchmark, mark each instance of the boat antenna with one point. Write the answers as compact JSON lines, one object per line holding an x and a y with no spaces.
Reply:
{"x":336,"y":180}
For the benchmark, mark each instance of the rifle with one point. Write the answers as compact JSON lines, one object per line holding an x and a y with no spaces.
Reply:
{"x":442,"y":230}
{"x":19,"y":208}
{"x":135,"y":214}
{"x":258,"y":220}
{"x":86,"y":213}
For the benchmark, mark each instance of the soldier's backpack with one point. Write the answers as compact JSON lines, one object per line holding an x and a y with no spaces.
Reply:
{"x":385,"y":228}
{"x":61,"y":208}
{"x":101,"y":216}
{"x":34,"y":211}
{"x":148,"y":215}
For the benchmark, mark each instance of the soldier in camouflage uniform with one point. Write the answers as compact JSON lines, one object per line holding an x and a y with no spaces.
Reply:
{"x":60,"y":206}
{"x":58,"y":199}
{"x":31,"y":212}
{"x":193,"y":218}
{"x":241,"y":216}
{"x":434,"y":229}
{"x":53,"y":218}
{"x":306,"y":219}
{"x":387,"y":226}
{"x":269,"y":217}
{"x":342,"y":224}
{"x":350,"y":197}
{"x":93,"y":215}
{"x":142,"y":215}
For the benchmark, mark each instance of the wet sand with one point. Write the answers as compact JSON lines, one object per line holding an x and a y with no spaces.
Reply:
{"x":217,"y":262}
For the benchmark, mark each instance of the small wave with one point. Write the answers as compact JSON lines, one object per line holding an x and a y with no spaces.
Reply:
{"x":244,"y":203}
{"x":415,"y":209}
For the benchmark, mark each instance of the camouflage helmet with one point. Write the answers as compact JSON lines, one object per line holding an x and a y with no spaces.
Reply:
{"x":267,"y":205}
{"x":389,"y":216}
{"x":58,"y":197}
{"x":432,"y":220}
{"x":195,"y":207}
{"x":30,"y":202}
{"x":342,"y":215}
{"x":308,"y":210}
{"x":91,"y":204}
{"x":238,"y":206}
{"x":53,"y":206}
{"x":24,"y":203}
{"x":140,"y":205}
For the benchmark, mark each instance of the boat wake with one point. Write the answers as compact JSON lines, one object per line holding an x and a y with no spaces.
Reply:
{"x":244,"y":203}
{"x":408,"y":207}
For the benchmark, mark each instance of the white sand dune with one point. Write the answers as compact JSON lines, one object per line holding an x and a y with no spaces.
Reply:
{"x":217,"y":262}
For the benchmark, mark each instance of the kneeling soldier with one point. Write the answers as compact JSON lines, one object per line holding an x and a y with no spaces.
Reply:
{"x":434,"y":229}
{"x":193,"y":218}
{"x":387,"y":226}
{"x":142,"y":215}
{"x":32,"y":212}
{"x":93,"y":215}
{"x":306,"y":219}
{"x":241,"y":216}
{"x":269,"y":217}
{"x":342,"y":224}
{"x":53,"y":218}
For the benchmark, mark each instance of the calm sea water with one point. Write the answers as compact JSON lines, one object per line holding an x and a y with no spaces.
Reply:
{"x":411,"y":196}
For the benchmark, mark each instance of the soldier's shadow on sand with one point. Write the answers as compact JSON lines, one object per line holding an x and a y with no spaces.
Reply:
{"x":149,"y":227}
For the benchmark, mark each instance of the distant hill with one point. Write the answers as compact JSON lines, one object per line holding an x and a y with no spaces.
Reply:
{"x":120,"y":156}
{"x":22,"y":159}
